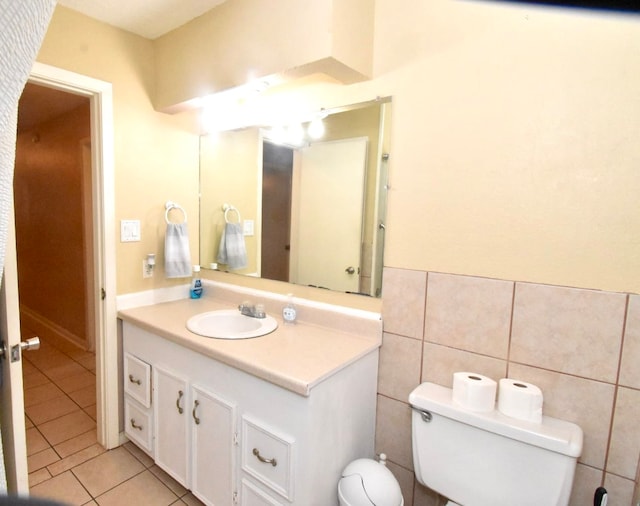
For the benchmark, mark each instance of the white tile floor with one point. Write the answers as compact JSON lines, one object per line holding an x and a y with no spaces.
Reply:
{"x":66,"y":463}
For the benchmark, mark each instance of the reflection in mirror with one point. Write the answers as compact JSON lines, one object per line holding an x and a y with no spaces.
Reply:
{"x":312,"y":211}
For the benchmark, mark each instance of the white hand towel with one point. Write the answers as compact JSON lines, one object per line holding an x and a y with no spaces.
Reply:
{"x":177,"y":258}
{"x":232,"y":251}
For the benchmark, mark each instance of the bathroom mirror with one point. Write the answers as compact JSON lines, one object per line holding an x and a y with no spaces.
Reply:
{"x":311,"y":211}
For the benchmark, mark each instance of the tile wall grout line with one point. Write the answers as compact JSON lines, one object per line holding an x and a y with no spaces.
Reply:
{"x":511,"y":317}
{"x":615,"y":392}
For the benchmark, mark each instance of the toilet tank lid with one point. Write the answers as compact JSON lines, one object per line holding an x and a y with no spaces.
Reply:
{"x":552,"y":434}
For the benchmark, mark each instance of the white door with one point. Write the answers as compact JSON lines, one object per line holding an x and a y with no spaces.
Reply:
{"x":12,"y":403}
{"x":213,"y":462}
{"x":330,"y":215}
{"x":171,"y":414}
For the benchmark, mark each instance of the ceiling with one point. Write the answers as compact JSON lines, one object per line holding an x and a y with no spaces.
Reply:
{"x":148,"y":18}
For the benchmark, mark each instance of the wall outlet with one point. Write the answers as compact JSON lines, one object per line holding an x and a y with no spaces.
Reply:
{"x":147,"y":270}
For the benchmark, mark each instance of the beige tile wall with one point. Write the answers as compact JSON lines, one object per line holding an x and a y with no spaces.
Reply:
{"x":581,"y":347}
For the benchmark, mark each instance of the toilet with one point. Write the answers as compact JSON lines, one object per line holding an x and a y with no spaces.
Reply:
{"x":490,"y":459}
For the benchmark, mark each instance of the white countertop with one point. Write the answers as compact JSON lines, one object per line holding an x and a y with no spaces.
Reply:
{"x":296,"y":357}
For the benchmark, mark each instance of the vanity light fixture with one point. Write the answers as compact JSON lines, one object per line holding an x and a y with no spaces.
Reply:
{"x":295,"y":134}
{"x":278,"y":134}
{"x":316,"y":128}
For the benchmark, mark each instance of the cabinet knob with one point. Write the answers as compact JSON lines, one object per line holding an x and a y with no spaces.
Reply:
{"x":134,"y":425}
{"x":133,"y":380}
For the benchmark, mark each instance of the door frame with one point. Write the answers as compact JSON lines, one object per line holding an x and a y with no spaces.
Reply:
{"x":102,"y":157}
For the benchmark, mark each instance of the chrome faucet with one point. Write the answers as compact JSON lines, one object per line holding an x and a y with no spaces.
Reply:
{"x":253,"y":310}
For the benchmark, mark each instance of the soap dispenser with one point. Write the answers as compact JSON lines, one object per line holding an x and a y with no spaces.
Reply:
{"x":289,"y":313}
{"x":195,"y":292}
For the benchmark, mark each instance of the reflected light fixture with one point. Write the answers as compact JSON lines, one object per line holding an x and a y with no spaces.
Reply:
{"x":316,"y":128}
{"x":295,"y":134}
{"x":278,"y":134}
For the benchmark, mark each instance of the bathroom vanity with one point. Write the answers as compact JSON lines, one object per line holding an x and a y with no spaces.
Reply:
{"x":266,"y":421}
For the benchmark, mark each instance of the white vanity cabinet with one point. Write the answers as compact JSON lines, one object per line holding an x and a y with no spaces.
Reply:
{"x":236,"y":439}
{"x":194,"y":435}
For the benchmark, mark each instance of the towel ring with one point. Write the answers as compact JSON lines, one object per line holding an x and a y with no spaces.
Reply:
{"x":227,"y":208}
{"x":172,"y":205}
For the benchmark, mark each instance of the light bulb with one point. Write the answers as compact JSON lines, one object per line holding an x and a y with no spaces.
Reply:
{"x":295,"y":133}
{"x":278,"y":134}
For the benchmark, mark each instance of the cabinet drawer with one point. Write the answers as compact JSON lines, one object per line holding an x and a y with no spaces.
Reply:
{"x":268,"y":456}
{"x":137,"y":425}
{"x":253,"y":496}
{"x":137,"y":379}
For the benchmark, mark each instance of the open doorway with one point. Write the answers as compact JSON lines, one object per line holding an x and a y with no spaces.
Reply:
{"x":108,"y":410}
{"x":53,"y":212}
{"x":53,"y":203}
{"x":277,"y":174}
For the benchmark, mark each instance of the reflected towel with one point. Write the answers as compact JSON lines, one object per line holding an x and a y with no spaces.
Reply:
{"x":177,"y":258}
{"x":232,"y":251}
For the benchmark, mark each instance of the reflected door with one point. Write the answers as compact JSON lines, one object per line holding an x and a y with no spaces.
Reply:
{"x":330,"y":200}
{"x":277,"y":167}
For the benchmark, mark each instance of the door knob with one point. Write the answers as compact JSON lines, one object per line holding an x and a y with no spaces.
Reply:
{"x":33,"y":343}
{"x":350,"y":270}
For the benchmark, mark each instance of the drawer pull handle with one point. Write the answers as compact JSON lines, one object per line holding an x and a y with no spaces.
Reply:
{"x":134,"y":425}
{"x":193,"y":413}
{"x":273,"y":461}
{"x":180,"y":394}
{"x":133,"y":380}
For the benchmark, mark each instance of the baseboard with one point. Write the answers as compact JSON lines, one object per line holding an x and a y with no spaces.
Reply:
{"x":48,"y":329}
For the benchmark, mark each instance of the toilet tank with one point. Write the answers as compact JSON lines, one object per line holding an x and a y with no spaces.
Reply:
{"x":490,"y":459}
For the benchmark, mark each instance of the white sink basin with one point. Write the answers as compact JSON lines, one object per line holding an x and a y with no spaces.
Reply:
{"x":230,"y":324}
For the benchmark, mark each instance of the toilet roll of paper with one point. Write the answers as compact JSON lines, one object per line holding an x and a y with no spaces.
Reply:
{"x":520,"y":400}
{"x":474,"y":391}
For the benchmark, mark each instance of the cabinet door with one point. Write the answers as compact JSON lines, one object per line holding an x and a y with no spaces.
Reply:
{"x":213,"y":448}
{"x":171,"y":415}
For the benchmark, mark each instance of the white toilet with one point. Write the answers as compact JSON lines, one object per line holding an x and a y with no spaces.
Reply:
{"x":490,"y":459}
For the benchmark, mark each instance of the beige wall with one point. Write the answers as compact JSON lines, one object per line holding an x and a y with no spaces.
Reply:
{"x":156,"y":155}
{"x":229,"y":175}
{"x":250,"y":39}
{"x":513,"y":152}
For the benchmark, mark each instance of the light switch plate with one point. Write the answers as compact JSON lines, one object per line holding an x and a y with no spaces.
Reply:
{"x":129,"y":230}
{"x":247,"y":227}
